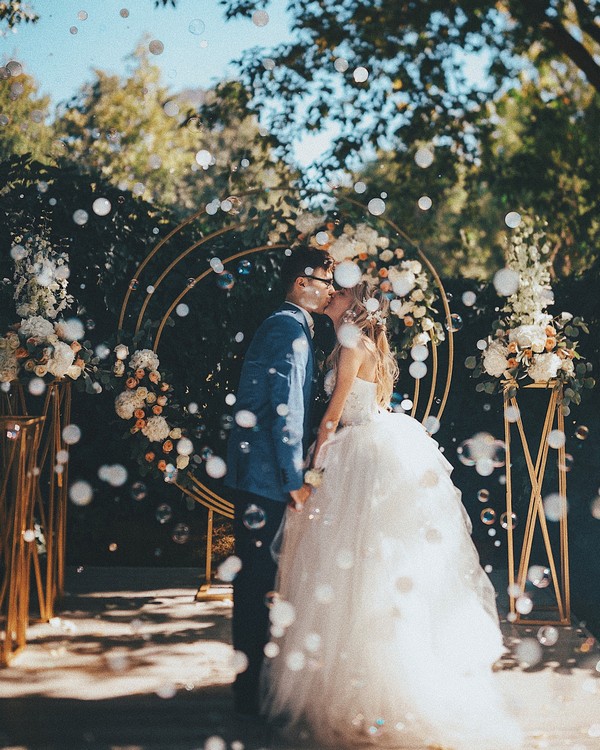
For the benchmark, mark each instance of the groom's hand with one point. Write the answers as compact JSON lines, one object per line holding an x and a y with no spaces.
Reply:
{"x":299,"y":497}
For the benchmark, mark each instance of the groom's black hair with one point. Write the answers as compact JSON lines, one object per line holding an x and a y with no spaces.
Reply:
{"x":302,"y":261}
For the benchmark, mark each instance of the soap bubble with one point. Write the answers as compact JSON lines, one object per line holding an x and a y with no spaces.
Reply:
{"x":424,"y":157}
{"x":244,"y":268}
{"x":547,"y":635}
{"x":419,"y":353}
{"x":185,"y":447}
{"x":197,"y":27}
{"x":523,"y":604}
{"x":245,"y":418}
{"x":488,"y":516}
{"x":181,"y":533}
{"x":528,"y":652}
{"x":432,"y":425}
{"x":260,"y":18}
{"x":80,"y":493}
{"x":226,"y":281}
{"x":360,"y":187}
{"x":340,"y":64}
{"x":254,"y":517}
{"x":282,"y":613}
{"x":138,"y":491}
{"x":164,"y":513}
{"x":512,"y":413}
{"x":229,"y":568}
{"x":156,"y":47}
{"x":360,"y":75}
{"x":512,"y":219}
{"x":582,"y":432}
{"x":216,"y":467}
{"x":540,"y":576}
{"x":506,"y":281}
{"x":424,"y":203}
{"x":469,"y":299}
{"x":28,"y":535}
{"x":376,"y":206}
{"x":203,"y":158}
{"x":505,"y":523}
{"x":347,"y":274}
{"x":182,"y":310}
{"x":555,"y":506}
{"x":455,"y":323}
{"x":417,"y":370}
{"x":556,"y":439}
{"x":348,"y":335}
{"x":80,"y":216}
{"x":36,"y":386}
{"x":483,"y":495}
{"x":101,"y":206}
{"x":71,"y":434}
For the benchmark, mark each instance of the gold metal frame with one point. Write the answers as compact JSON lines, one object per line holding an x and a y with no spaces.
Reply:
{"x":19,"y":446}
{"x":199,"y":491}
{"x":50,"y":489}
{"x":535,"y":512}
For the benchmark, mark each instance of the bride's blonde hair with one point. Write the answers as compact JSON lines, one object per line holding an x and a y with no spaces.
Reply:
{"x":372,"y":326}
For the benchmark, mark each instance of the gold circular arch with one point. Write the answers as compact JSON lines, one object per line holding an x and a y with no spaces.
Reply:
{"x":199,"y":491}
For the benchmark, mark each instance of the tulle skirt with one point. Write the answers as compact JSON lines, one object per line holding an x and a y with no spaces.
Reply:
{"x":385,"y":627}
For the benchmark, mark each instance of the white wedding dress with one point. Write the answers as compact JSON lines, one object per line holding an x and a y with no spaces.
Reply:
{"x":395,"y":627}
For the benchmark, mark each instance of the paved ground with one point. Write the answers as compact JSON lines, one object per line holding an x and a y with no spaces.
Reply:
{"x":134,"y":663}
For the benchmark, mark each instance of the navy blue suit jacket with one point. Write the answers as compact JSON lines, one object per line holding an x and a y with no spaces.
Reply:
{"x":277,"y":386}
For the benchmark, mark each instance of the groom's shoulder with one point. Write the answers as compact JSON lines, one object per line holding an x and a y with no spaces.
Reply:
{"x":283,"y":319}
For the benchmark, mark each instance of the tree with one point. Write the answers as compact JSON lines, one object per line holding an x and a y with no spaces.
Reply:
{"x":393,"y":72}
{"x":24,"y":124}
{"x":148,"y":140}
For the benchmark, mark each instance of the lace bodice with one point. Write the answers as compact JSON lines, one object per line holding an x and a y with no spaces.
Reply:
{"x":361,"y":405}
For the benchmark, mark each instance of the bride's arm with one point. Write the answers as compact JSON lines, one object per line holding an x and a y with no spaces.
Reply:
{"x":348,"y":366}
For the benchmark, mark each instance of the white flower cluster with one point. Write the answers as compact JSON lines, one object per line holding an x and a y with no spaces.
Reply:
{"x":41,"y":278}
{"x":156,"y":429}
{"x":144,"y":359}
{"x":356,"y":241}
{"x":9,"y":367}
{"x":528,"y":256}
{"x":128,"y":401}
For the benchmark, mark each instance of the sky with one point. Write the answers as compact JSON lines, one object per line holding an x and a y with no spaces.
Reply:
{"x":199,"y":45}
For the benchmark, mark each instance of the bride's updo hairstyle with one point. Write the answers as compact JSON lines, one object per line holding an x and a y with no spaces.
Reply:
{"x":372,"y":324}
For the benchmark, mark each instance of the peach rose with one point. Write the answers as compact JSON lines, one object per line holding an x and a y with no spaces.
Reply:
{"x":162,"y":464}
{"x":131,"y":383}
{"x":512,"y":362}
{"x":167,"y":446}
{"x":154,"y":376}
{"x":149,"y":456}
{"x":383,"y":272}
{"x":550,"y":344}
{"x":408,"y":321}
{"x":512,"y":347}
{"x":21,"y":352}
{"x":161,"y":400}
{"x":550,"y":331}
{"x":139,"y":373}
{"x":139,"y":413}
{"x":164,"y":386}
{"x":157,"y":409}
{"x":75,"y":346}
{"x":140,"y":423}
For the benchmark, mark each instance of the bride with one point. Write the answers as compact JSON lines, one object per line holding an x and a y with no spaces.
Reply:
{"x":384,"y":627}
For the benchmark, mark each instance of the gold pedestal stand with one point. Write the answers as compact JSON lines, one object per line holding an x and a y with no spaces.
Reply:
{"x":536,"y":516}
{"x":50,"y":489}
{"x":19,"y":445}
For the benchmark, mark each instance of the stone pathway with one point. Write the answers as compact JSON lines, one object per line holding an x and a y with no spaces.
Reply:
{"x":134,"y":663}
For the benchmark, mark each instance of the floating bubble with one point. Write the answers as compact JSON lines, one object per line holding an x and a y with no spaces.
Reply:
{"x":185,"y":447}
{"x":182,"y":310}
{"x":230,"y":399}
{"x":455,"y":323}
{"x":166,"y":691}
{"x":567,"y":464}
{"x":488,"y":516}
{"x":523,"y":604}
{"x":29,"y":535}
{"x":164,"y":513}
{"x":417,"y":370}
{"x":295,"y":661}
{"x":156,"y":47}
{"x":539,"y":576}
{"x":547,"y":635}
{"x":244,"y":268}
{"x":360,"y":75}
{"x":260,"y":18}
{"x":124,"y":13}
{"x":512,"y":219}
{"x":469,"y":299}
{"x":556,"y":439}
{"x":340,"y":64}
{"x":271,"y":650}
{"x":504,"y":522}
{"x":424,"y":157}
{"x":203,"y":158}
{"x":424,"y":203}
{"x":555,"y":506}
{"x":197,"y":27}
{"x":245,"y":418}
{"x":506,"y":282}
{"x":80,"y":216}
{"x":376,"y":206}
{"x":239,"y":662}
{"x":582,"y":432}
{"x":229,"y":568}
{"x":82,"y":15}
{"x":71,"y":434}
{"x":347,"y":274}
{"x":406,"y":404}
{"x":254,"y":517}
{"x":348,"y":335}
{"x":419,"y":353}
{"x":74,"y":30}
{"x":595,"y":508}
{"x":282,"y":613}
{"x":18,"y":252}
{"x":512,"y":413}
{"x":216,"y":467}
{"x":344,"y":559}
{"x":528,"y":652}
{"x":80,"y":493}
{"x":36,"y":386}
{"x":72,"y":329}
{"x":138,"y":491}
{"x":324,"y":593}
{"x":432,"y":425}
{"x":226,"y":281}
{"x":181,"y":533}
{"x":101,"y":206}
{"x":14,"y":68}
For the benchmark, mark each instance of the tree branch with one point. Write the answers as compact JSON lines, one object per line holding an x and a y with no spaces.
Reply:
{"x":586,"y":20}
{"x":574,"y":50}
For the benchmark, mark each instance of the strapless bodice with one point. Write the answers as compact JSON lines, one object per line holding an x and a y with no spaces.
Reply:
{"x":361,"y":405}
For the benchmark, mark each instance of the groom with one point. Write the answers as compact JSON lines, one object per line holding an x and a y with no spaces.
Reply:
{"x":267,"y":446}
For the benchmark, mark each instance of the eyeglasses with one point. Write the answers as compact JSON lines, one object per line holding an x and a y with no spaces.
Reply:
{"x":327,"y":282}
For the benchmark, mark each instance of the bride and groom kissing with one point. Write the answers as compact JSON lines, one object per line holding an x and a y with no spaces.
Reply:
{"x":383,"y":628}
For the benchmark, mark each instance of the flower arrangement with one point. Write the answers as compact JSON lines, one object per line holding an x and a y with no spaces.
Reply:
{"x":145,"y":401}
{"x":528,"y":343}
{"x":407,"y":284}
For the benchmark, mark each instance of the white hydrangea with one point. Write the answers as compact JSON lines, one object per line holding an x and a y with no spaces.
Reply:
{"x":544,"y":367}
{"x":386,"y":256}
{"x":144,"y":359}
{"x":403,"y":281}
{"x":8,"y":362}
{"x":37,"y":328}
{"x":529,"y":337}
{"x":495,"y":359}
{"x":156,"y":429}
{"x":62,"y":358}
{"x":306,"y":223}
{"x":342,"y":248}
{"x":127,"y":402}
{"x":368,"y":235}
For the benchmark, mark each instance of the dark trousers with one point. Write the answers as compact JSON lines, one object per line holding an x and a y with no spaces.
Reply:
{"x":255,"y":579}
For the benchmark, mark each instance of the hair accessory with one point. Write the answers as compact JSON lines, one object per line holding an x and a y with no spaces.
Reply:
{"x":374,"y":315}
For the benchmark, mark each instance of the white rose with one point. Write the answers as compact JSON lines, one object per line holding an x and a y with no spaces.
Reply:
{"x":544,"y":367}
{"x":307,"y":222}
{"x":568,"y":366}
{"x":421,"y":338}
{"x":529,"y":337}
{"x":418,"y":295}
{"x":402,"y":282}
{"x":495,"y":359}
{"x":383,"y":242}
{"x":386,"y":256}
{"x":419,"y":311}
{"x":61,"y":359}
{"x":182,"y":462}
{"x":36,"y":327}
{"x":360,"y":247}
{"x":427,"y":324}
{"x":342,"y":249}
{"x":566,"y":316}
{"x":412,"y":265}
{"x":74,"y":372}
{"x":145,"y":359}
{"x":126,"y":404}
{"x":401,"y":308}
